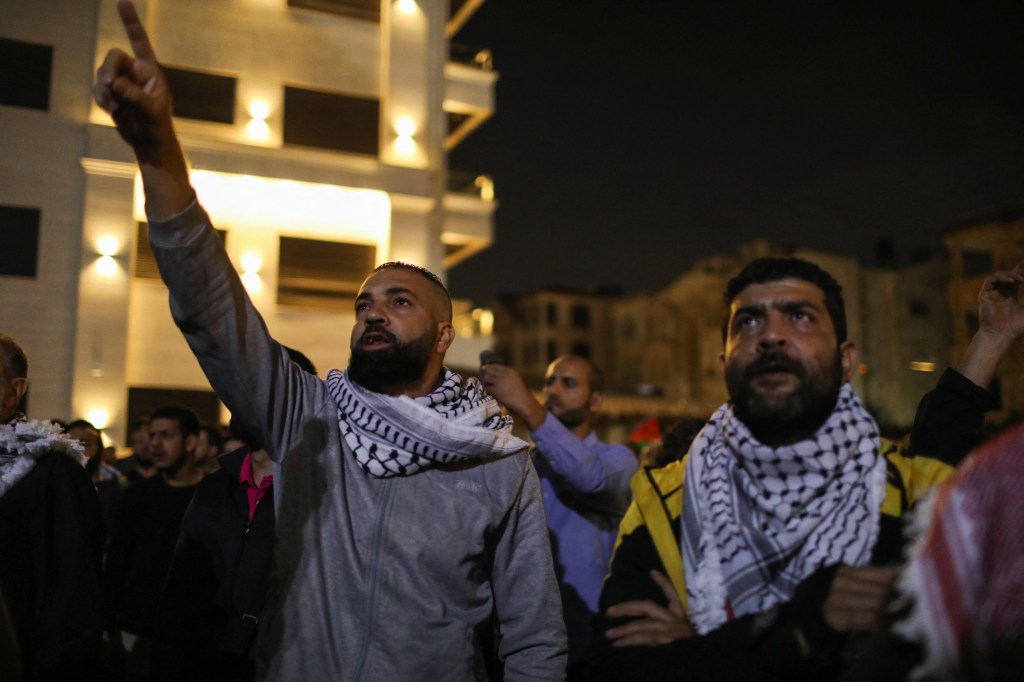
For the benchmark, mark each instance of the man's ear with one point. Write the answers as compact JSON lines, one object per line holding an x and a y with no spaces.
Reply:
{"x":445,"y":337}
{"x":848,"y":356}
{"x":596,"y":400}
{"x":19,"y":386}
{"x":191,"y":443}
{"x":721,"y":363}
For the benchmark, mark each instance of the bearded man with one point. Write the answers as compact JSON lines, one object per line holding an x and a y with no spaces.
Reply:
{"x":764,"y":550}
{"x":411,"y":541}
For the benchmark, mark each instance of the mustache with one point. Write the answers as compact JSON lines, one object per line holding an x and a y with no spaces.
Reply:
{"x":379,"y":331}
{"x":774,"y":361}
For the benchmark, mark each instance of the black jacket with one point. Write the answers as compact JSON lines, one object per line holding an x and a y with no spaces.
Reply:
{"x":215,"y":592}
{"x":51,"y":540}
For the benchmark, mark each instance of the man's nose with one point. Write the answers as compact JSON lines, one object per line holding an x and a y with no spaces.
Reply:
{"x":773,"y":333}
{"x":374,"y":314}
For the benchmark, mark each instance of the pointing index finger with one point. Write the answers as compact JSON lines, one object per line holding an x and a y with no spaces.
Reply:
{"x":141,"y":47}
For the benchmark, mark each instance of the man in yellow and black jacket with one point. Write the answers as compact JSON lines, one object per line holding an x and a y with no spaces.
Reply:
{"x":768,"y":552}
{"x":794,"y":642}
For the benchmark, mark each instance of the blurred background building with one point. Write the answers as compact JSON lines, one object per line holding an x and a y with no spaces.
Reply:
{"x":318,"y":133}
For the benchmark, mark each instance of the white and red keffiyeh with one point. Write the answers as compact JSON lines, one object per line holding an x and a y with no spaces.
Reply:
{"x":758,"y":520}
{"x":965,"y":572}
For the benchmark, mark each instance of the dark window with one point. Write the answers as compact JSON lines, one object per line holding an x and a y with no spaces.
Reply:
{"x":552,"y":351}
{"x":580,"y":317}
{"x":368,"y":10}
{"x":582,"y":349}
{"x":320,"y":273}
{"x":552,"y":314}
{"x":977,"y":263}
{"x":330,"y":120}
{"x":918,"y":309}
{"x":202,"y":96}
{"x":143,"y":402}
{"x":145,"y":262}
{"x":20,"y":229}
{"x":25,"y":74}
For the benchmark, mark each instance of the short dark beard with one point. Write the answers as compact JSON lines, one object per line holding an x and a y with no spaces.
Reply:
{"x":795,"y":417}
{"x":397,"y":365}
{"x":572,"y":418}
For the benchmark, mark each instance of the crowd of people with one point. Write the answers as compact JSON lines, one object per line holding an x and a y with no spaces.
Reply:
{"x":383,"y":522}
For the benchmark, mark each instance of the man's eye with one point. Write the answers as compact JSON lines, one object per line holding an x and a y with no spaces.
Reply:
{"x":800,"y":315}
{"x":362,"y":305}
{"x":401,"y":301}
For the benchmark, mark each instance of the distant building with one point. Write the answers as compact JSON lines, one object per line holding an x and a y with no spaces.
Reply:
{"x":317,"y":131}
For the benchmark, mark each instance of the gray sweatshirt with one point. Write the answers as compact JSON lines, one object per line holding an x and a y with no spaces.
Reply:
{"x":376,"y":579}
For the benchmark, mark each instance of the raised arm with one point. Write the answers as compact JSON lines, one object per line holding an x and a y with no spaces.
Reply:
{"x":1001,"y":324}
{"x":249,"y":371}
{"x":949,"y":419}
{"x":133,"y":90}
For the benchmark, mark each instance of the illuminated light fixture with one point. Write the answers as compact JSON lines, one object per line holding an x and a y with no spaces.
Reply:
{"x":484,"y":318}
{"x":107,"y":246}
{"x":252,"y":261}
{"x":257,"y":128}
{"x":486,"y":186}
{"x":406,"y":6}
{"x":98,"y":417}
{"x":862,"y":369}
{"x":106,"y":266}
{"x":405,"y":128}
{"x":922,"y":366}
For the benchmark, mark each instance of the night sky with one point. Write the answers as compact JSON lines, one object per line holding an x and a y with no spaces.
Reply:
{"x":633,"y":138}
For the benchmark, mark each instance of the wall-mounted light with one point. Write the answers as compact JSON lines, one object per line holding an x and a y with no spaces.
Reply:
{"x":251,"y":262}
{"x":405,"y":128}
{"x":922,"y":366}
{"x":257,"y":128}
{"x":406,"y":6}
{"x":486,"y":185}
{"x":107,"y":247}
{"x":99,"y":417}
{"x":485,"y":319}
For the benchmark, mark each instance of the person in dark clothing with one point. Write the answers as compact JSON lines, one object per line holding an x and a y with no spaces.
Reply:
{"x":213,"y":601}
{"x":143,"y":537}
{"x":51,"y":538}
{"x":764,"y":554}
{"x":950,"y":418}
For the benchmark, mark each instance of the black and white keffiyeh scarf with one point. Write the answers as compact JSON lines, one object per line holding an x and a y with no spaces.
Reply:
{"x":398,"y":436}
{"x":23,"y":442}
{"x":758,"y":520}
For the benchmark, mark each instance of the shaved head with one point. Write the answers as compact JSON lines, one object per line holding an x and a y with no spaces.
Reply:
{"x":441,"y":299}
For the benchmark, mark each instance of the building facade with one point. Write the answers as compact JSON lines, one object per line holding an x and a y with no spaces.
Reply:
{"x":317,"y":131}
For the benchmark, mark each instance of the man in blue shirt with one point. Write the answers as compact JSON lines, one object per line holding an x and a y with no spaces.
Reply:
{"x":585,"y":482}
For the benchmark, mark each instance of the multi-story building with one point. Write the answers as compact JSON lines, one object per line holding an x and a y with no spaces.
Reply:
{"x":317,"y":131}
{"x":543,"y":325}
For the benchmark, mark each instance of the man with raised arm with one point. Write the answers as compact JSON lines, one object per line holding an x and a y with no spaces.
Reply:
{"x":585,"y":482}
{"x":766,"y":551}
{"x":411,"y":541}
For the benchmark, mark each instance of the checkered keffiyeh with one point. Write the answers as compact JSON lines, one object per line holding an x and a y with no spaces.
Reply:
{"x":758,"y":520}
{"x":398,"y":436}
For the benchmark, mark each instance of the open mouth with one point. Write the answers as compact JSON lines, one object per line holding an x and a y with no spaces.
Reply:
{"x":376,"y":339}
